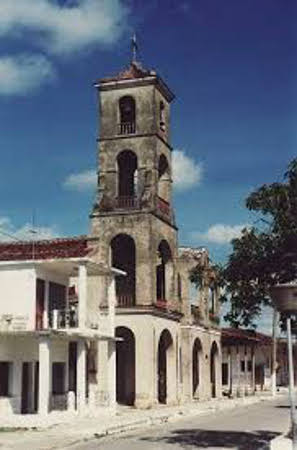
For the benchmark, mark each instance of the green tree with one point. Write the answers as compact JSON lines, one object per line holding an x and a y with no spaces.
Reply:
{"x":262,"y":256}
{"x":265,"y":255}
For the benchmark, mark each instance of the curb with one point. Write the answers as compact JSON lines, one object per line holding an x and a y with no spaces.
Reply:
{"x":151,"y":418}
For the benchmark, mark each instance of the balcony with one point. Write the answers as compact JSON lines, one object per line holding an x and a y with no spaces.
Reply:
{"x":63,"y":318}
{"x":163,"y":207}
{"x":127,"y":202}
{"x":58,"y":319}
{"x":167,"y":306}
{"x":125,"y":301}
{"x":126,"y":128}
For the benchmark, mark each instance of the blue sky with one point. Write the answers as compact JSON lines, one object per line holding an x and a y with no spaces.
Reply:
{"x":232,"y":65}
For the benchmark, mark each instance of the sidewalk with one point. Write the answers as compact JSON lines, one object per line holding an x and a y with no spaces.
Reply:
{"x":81,"y":429}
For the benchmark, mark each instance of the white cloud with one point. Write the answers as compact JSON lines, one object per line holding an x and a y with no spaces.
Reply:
{"x":220,"y":233}
{"x":25,"y":73}
{"x":64,"y":28}
{"x":8,"y":232}
{"x":82,"y":181}
{"x":186,"y":172}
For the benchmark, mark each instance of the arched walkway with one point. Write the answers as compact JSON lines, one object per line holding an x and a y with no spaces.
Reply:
{"x":196,"y":363}
{"x":125,"y":366}
{"x":214,"y":354}
{"x":123,"y":256}
{"x":165,"y":363}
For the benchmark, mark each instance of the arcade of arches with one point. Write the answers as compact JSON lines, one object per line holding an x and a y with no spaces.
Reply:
{"x":135,"y":355}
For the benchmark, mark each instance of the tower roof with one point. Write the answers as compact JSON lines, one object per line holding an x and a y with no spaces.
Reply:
{"x":135,"y":73}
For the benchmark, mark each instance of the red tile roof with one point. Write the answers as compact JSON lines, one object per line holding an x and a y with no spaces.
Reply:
{"x":134,"y":71}
{"x":238,"y":335}
{"x":73,"y":247}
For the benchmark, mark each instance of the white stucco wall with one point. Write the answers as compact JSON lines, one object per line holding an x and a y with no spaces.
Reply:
{"x":18,"y":294}
{"x":17,"y":297}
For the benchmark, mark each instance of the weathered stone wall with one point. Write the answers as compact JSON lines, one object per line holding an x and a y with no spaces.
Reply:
{"x":148,"y":224}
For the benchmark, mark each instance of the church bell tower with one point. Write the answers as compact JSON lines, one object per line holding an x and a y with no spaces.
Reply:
{"x":133,"y":215}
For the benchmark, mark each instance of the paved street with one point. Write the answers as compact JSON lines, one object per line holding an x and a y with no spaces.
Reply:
{"x":247,"y":428}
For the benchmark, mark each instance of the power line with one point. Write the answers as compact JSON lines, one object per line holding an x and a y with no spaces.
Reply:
{"x":10,"y":235}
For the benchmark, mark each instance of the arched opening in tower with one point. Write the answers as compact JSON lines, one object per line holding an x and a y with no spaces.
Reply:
{"x":164,"y":272}
{"x":196,"y":361}
{"x":211,"y":301}
{"x":164,"y":180}
{"x":125,"y":366}
{"x":127,"y":178}
{"x":123,"y":257}
{"x":127,"y":115}
{"x":165,"y":364}
{"x":214,"y":353}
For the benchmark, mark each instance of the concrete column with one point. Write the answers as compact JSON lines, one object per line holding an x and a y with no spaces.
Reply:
{"x":246,"y":372}
{"x":111,"y":298}
{"x":102,"y":373}
{"x":16,"y":385}
{"x":45,"y":375}
{"x":229,"y":362}
{"x":145,"y":375}
{"x":81,"y":374}
{"x":253,"y":370}
{"x":218,"y":363}
{"x":82,"y":296}
{"x":171,"y":375}
{"x":186,"y":364}
{"x":238,"y":372}
{"x":46,"y":306}
{"x":112,"y":373}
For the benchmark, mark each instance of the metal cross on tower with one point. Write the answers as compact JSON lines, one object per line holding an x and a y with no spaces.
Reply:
{"x":134,"y":47}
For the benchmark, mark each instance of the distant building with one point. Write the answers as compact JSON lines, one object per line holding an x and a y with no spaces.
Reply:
{"x":247,"y":362}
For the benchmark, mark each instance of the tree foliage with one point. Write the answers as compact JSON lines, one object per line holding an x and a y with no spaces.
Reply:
{"x":262,"y":256}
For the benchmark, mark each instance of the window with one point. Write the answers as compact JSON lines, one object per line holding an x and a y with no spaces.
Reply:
{"x":4,"y":378}
{"x":162,"y":116}
{"x":127,"y":115}
{"x":164,"y":180}
{"x":225,"y":373}
{"x":58,"y":381}
{"x":211,"y":300}
{"x":40,"y":296}
{"x":249,"y":366}
{"x":242,"y":366}
{"x":127,"y":178}
{"x":179,"y":287}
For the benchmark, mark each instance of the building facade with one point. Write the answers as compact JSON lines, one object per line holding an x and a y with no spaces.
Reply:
{"x":51,"y":328}
{"x":171,"y":349}
{"x":112,"y":317}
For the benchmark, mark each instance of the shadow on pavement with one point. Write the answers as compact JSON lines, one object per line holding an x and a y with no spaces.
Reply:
{"x":241,"y":440}
{"x":284,"y":406}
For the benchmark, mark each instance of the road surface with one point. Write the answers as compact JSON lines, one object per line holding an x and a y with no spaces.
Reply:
{"x":245,"y":428}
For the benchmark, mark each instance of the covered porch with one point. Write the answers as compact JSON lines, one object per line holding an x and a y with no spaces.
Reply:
{"x":54,"y":371}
